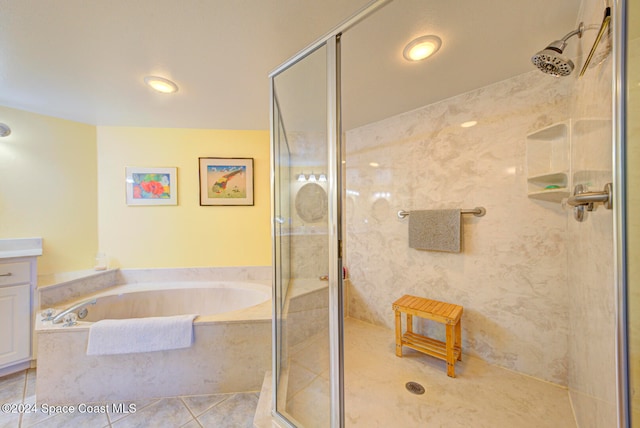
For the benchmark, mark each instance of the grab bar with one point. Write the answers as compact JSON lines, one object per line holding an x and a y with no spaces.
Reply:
{"x":477,"y":211}
{"x":58,"y":318}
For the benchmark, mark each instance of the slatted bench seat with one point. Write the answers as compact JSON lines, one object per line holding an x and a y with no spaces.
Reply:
{"x":445,"y":313}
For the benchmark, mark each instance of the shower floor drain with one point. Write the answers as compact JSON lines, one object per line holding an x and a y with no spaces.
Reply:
{"x":414,"y":388}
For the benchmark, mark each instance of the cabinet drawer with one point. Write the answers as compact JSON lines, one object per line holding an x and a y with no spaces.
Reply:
{"x":14,"y":273}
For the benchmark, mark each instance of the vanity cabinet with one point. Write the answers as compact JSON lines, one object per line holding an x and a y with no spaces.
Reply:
{"x":17,"y":287}
{"x":15,"y":323}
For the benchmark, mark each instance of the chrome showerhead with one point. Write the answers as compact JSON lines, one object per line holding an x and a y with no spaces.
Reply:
{"x":550,"y":60}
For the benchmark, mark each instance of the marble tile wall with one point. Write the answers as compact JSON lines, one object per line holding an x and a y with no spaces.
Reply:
{"x":54,"y":289}
{"x":511,"y":276}
{"x":592,"y":293}
{"x":232,"y":273}
{"x":309,"y":244}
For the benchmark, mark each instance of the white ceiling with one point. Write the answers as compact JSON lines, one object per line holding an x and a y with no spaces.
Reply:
{"x":85,"y":59}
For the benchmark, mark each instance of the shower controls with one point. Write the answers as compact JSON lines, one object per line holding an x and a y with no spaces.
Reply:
{"x":583,"y":200}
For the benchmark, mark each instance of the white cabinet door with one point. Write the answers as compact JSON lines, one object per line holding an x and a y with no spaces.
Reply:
{"x":15,"y":324}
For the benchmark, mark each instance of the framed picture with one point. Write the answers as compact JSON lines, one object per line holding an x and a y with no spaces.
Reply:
{"x":152,"y":186}
{"x":226,"y":181}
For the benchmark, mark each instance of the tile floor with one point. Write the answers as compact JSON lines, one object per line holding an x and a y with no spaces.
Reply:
{"x":480,"y":396}
{"x":204,"y":411}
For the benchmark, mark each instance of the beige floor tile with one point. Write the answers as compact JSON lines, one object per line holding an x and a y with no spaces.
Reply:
{"x":168,"y":412}
{"x":122,"y":409}
{"x":9,"y":420}
{"x":198,"y":404}
{"x":375,"y":394}
{"x":12,"y":388}
{"x":76,"y":419}
{"x":235,"y":412}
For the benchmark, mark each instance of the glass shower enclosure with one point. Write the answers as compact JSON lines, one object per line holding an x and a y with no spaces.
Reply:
{"x":310,"y":227}
{"x":307,"y":290}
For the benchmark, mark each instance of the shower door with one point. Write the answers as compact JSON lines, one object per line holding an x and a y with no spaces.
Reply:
{"x":631,"y":88}
{"x":307,"y":267}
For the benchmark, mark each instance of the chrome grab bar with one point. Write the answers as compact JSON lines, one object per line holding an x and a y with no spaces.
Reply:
{"x":477,"y":211}
{"x":59,"y":318}
{"x":581,"y":197}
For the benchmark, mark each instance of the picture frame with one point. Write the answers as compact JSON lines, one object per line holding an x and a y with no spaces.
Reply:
{"x":226,"y":181}
{"x":152,"y":186}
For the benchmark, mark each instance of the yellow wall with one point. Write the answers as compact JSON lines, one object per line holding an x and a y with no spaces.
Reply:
{"x":48,"y":186}
{"x":186,"y":235}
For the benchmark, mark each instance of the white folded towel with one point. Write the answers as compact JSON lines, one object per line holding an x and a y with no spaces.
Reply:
{"x":127,"y":336}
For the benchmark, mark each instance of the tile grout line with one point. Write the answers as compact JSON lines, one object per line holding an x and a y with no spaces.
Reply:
{"x":227,"y":396}
{"x":193,"y":417}
{"x":24,"y":394}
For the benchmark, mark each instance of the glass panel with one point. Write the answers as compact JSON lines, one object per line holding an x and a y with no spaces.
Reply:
{"x":282,"y":247}
{"x":302,"y":251}
{"x":633,"y":206}
{"x":464,"y":129}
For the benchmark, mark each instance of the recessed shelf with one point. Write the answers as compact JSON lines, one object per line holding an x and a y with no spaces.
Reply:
{"x":583,"y":127}
{"x":552,"y":132}
{"x":548,"y":163}
{"x":595,"y":178}
{"x":557,"y":178}
{"x":550,"y":195}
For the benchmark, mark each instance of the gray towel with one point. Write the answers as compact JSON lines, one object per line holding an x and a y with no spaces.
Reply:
{"x":435,"y":230}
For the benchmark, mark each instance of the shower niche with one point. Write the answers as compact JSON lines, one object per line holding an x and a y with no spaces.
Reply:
{"x":565,"y":154}
{"x":548,"y":162}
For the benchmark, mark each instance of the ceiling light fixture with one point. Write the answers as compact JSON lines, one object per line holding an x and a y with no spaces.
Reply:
{"x":469,"y":124}
{"x":422,"y":48}
{"x":5,"y":131}
{"x":161,"y":84}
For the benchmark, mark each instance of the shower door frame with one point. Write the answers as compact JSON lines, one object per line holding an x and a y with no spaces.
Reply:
{"x":334,"y":177}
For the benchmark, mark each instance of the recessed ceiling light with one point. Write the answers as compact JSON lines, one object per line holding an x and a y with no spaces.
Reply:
{"x":422,"y":48}
{"x":469,"y":124}
{"x":374,"y":164}
{"x":161,"y":84}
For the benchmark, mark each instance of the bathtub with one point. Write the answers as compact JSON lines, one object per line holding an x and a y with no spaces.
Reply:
{"x":231,"y":350}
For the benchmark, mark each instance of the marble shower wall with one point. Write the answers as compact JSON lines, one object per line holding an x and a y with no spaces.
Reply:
{"x":592,"y":292}
{"x":309,"y":243}
{"x":511,"y":276}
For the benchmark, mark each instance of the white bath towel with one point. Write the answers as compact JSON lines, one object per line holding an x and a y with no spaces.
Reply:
{"x":127,"y":336}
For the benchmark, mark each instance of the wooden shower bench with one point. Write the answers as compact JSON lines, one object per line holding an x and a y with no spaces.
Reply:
{"x":445,"y":313}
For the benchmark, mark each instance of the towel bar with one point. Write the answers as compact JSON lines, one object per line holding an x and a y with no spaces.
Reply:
{"x":477,"y":211}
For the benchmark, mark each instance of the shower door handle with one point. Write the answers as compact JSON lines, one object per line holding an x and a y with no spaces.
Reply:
{"x":583,"y":200}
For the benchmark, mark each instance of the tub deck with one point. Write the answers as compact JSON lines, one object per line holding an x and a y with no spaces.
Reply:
{"x":231,"y":353}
